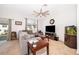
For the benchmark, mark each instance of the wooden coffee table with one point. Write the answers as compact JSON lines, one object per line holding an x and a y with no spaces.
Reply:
{"x":41,"y":44}
{"x":44,"y":37}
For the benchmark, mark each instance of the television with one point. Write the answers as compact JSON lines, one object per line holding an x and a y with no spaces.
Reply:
{"x":50,"y":28}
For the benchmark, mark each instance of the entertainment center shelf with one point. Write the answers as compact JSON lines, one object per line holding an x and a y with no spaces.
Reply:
{"x":50,"y":33}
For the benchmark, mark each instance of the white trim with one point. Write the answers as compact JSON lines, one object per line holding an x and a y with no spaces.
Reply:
{"x":77,"y":51}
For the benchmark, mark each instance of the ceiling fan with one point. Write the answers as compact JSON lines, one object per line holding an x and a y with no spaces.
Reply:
{"x":41,"y":13}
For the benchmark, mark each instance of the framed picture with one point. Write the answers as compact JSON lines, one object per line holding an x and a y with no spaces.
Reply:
{"x":18,"y":23}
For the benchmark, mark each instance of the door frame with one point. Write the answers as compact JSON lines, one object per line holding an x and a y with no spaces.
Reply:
{"x":9,"y":29}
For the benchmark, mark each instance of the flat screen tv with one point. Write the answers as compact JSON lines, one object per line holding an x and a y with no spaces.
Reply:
{"x":50,"y":28}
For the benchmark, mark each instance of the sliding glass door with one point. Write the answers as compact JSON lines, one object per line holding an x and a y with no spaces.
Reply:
{"x":4,"y":29}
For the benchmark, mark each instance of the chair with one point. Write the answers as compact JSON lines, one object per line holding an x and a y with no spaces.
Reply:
{"x":13,"y":36}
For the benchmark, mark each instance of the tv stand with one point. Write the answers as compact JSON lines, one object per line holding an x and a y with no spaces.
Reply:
{"x":52,"y":35}
{"x":49,"y":33}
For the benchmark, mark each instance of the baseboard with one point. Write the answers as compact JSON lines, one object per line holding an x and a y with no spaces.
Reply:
{"x":77,"y":51}
{"x":61,"y":41}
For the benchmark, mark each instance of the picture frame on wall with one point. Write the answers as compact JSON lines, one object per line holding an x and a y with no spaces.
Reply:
{"x":18,"y":23}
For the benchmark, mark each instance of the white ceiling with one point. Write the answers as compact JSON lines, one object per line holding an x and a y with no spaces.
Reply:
{"x":21,"y":10}
{"x":26,"y":10}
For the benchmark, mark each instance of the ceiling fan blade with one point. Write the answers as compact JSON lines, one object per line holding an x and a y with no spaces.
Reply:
{"x":44,"y":15}
{"x":46,"y":11}
{"x":38,"y":14}
{"x":35,"y":12}
{"x":47,"y":14}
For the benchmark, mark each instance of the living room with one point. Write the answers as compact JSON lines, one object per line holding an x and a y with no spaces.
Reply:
{"x":18,"y":15}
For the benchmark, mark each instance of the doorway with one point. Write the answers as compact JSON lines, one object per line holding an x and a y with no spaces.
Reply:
{"x":4,"y":30}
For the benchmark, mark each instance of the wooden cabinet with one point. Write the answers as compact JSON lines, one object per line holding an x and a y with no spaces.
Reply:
{"x":13,"y":36}
{"x":71,"y":36}
{"x":71,"y":41}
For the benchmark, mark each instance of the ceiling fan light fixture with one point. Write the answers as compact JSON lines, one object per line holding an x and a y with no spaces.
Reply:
{"x":41,"y":12}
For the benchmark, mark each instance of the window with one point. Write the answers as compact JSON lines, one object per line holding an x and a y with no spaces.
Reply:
{"x":31,"y":25}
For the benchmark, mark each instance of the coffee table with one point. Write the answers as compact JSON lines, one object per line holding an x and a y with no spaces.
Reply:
{"x":41,"y":44}
{"x":44,"y":37}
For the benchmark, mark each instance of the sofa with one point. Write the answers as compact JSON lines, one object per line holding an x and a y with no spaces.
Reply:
{"x":24,"y":37}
